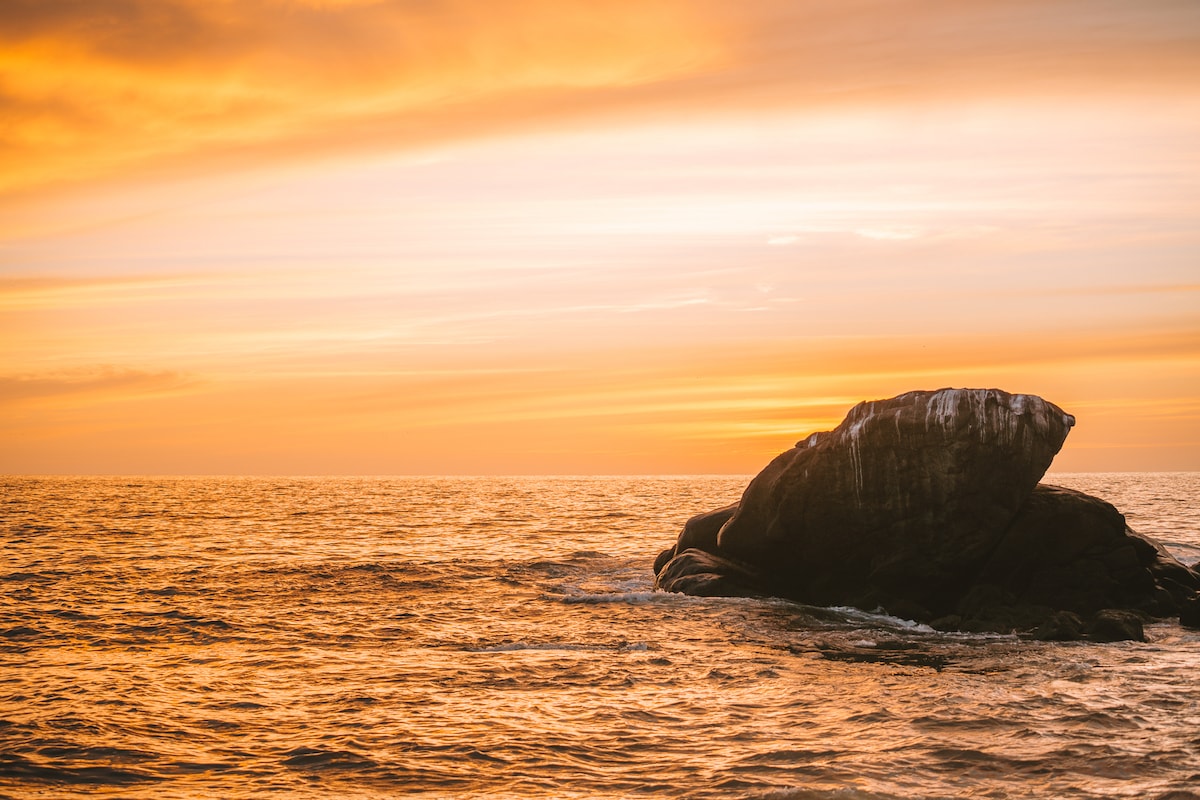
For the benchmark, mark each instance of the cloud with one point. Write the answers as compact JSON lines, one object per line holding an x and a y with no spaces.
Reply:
{"x":90,"y":89}
{"x":93,"y":383}
{"x":134,"y":31}
{"x":927,"y":48}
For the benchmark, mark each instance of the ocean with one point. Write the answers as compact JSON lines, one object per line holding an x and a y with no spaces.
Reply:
{"x":500,"y":637}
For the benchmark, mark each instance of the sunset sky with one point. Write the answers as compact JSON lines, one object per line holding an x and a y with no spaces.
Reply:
{"x":547,"y":236}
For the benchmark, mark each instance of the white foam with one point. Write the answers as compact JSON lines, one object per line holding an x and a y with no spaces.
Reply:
{"x":631,"y":598}
{"x":660,"y":597}
{"x":880,"y":618}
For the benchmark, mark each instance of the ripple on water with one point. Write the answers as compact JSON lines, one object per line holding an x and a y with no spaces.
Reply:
{"x":170,"y":638}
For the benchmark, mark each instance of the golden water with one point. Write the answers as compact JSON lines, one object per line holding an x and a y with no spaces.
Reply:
{"x":451,"y":637}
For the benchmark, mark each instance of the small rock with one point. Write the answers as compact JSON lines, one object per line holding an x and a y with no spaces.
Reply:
{"x":1114,"y":625}
{"x":950,"y":622}
{"x":701,"y":530}
{"x":702,"y":574}
{"x":1189,"y":612}
{"x":663,"y":558}
{"x":1063,"y":626}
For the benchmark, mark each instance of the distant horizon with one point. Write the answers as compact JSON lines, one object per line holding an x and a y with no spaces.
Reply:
{"x":680,"y":475}
{"x":364,"y":237}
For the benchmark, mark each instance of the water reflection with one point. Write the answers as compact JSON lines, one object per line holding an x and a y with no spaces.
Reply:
{"x":364,"y":638}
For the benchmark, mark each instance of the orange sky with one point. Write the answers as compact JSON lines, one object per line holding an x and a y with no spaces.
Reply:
{"x":524,"y":236}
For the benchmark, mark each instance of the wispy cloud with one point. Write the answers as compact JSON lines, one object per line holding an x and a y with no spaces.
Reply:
{"x":96,"y":88}
{"x":90,"y":383}
{"x":665,"y":230}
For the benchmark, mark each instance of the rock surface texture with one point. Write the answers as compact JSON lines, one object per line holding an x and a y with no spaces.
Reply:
{"x":928,"y":505}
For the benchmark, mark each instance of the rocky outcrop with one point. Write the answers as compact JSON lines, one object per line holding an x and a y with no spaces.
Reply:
{"x":1071,"y":551}
{"x":928,"y":505}
{"x":703,"y":574}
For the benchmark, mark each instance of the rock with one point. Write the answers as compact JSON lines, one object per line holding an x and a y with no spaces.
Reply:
{"x":1189,"y":613}
{"x":1062,"y":626}
{"x":662,"y":559}
{"x":701,"y":530}
{"x":692,"y":566}
{"x":1067,"y":550}
{"x":1115,"y":625}
{"x":928,"y":505}
{"x":995,"y":607}
{"x":696,"y":572}
{"x":903,"y":500}
{"x":1181,"y":582}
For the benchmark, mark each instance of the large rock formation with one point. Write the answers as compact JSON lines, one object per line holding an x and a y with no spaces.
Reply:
{"x":928,"y":505}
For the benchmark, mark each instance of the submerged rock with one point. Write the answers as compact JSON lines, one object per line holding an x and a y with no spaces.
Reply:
{"x":928,"y":505}
{"x":1189,"y":612}
{"x":1115,"y":625}
{"x":1061,"y":626}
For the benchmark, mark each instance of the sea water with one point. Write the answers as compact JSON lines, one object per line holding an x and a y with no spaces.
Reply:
{"x":500,"y":637}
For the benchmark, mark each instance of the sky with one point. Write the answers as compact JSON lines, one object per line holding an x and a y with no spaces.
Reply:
{"x":548,"y":236}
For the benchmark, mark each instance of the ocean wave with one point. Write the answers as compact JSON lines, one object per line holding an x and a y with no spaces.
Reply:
{"x":823,"y":794}
{"x":570,"y":647}
{"x":17,"y":766}
{"x":630,"y":598}
{"x":378,"y":646}
{"x":313,"y":758}
{"x":840,"y":615}
{"x":880,"y":619}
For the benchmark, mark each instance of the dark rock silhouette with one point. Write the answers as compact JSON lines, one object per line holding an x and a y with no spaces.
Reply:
{"x":1061,"y":626}
{"x":704,"y":574}
{"x":928,"y":505}
{"x":1115,"y":625}
{"x":700,"y":533}
{"x":1189,"y":611}
{"x":1069,"y":550}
